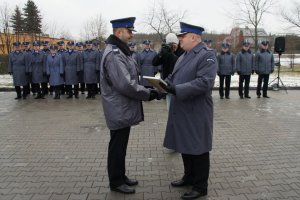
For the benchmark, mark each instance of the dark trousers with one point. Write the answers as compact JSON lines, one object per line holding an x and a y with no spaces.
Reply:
{"x":227,"y":79}
{"x":196,"y":171}
{"x":243,"y":90}
{"x":116,"y":156}
{"x":62,"y":89}
{"x":51,"y":89}
{"x":82,"y":87}
{"x":91,"y":88}
{"x":262,"y":78}
{"x":69,"y":90}
{"x":19,"y":91}
{"x":44,"y":88}
{"x":36,"y":88}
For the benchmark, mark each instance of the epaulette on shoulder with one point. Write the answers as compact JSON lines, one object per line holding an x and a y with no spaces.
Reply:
{"x":115,"y":49}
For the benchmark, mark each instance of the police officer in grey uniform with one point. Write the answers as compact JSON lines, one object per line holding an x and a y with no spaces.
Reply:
{"x":26,"y":49}
{"x":71,"y":61}
{"x":19,"y":68}
{"x":264,"y":66}
{"x":79,"y":49}
{"x":226,"y":69}
{"x":46,"y":51}
{"x":38,"y":69}
{"x":55,"y":70}
{"x":121,"y":100}
{"x":91,"y":62}
{"x":190,"y":121}
{"x":244,"y":67}
{"x":147,"y":69}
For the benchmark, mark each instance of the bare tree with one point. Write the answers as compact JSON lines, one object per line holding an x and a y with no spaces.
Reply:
{"x":251,"y":12}
{"x":292,"y":16}
{"x":65,"y":34}
{"x":5,"y":37}
{"x":53,"y":30}
{"x":161,"y":20}
{"x":94,"y":29}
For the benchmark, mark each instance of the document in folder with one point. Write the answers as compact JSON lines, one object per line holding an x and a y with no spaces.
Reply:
{"x":155,"y":82}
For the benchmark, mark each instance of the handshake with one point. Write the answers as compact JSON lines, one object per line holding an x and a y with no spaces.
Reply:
{"x":155,"y":94}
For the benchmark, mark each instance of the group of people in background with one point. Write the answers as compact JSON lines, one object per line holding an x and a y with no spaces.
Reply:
{"x":244,"y":64}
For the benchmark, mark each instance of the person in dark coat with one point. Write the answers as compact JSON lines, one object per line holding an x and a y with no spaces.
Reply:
{"x":79,"y":49}
{"x":38,"y":67}
{"x":226,"y":69}
{"x":244,"y":68}
{"x":71,"y":61}
{"x":121,"y":100}
{"x":167,"y":59}
{"x":91,"y":62}
{"x":264,"y":66}
{"x":190,"y":121}
{"x":55,"y":70}
{"x":147,"y":69}
{"x":46,"y":51}
{"x":19,"y":68}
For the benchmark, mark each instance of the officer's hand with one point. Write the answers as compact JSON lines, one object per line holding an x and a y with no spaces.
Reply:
{"x":153,"y":95}
{"x":252,"y":71}
{"x":238,"y":72}
{"x":218,"y":73}
{"x":10,"y":73}
{"x":170,"y":88}
{"x":232,"y":73}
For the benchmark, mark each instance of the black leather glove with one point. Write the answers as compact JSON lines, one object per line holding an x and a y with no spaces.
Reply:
{"x":252,"y":71}
{"x":218,"y":73}
{"x":153,"y":95}
{"x":238,"y":72}
{"x":170,"y":88}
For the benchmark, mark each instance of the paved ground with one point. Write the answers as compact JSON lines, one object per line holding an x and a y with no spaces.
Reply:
{"x":56,"y":150}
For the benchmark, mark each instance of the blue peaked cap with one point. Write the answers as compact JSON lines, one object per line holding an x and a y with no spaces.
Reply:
{"x":189,"y":28}
{"x":124,"y":23}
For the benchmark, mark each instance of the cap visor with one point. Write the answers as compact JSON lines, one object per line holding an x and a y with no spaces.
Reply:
{"x":132,"y":29}
{"x":181,"y":33}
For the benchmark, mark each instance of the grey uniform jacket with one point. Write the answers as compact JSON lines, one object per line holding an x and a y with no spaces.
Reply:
{"x":226,"y":63}
{"x":264,"y":62}
{"x":55,"y":69}
{"x":147,"y":69}
{"x":121,"y":94}
{"x":190,"y":122}
{"x":19,"y":65}
{"x":72,"y":65}
{"x":91,"y":63}
{"x":38,"y":67}
{"x":245,"y":62}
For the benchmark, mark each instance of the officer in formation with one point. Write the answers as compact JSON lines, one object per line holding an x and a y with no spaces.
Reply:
{"x":72,"y":67}
{"x":55,"y":70}
{"x":190,"y":121}
{"x":264,"y":66}
{"x":226,"y":61}
{"x":79,"y":49}
{"x":19,"y":68}
{"x":122,"y":97}
{"x":38,"y":69}
{"x":135,"y":55}
{"x":147,"y":69}
{"x":244,"y":68}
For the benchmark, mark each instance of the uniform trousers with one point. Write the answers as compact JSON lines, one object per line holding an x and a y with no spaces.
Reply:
{"x":36,"y":88}
{"x":196,"y":171}
{"x":227,"y":79}
{"x":25,"y":90}
{"x":91,"y":88}
{"x":116,"y":156}
{"x":243,"y":90}
{"x":44,"y":88}
{"x":262,"y":78}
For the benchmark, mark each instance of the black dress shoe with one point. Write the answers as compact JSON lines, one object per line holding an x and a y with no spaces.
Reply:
{"x":265,"y":96}
{"x":221,"y":97}
{"x":248,"y":97}
{"x":258,"y":96}
{"x":193,"y":194}
{"x":123,"y":189}
{"x":241,"y":97}
{"x":227,"y":97}
{"x":179,"y":183}
{"x":131,"y":182}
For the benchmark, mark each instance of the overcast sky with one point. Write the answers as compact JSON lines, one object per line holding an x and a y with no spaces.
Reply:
{"x":71,"y":15}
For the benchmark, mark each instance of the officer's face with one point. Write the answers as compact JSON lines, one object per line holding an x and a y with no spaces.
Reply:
{"x":70,"y":47}
{"x":125,"y":35}
{"x":36,"y":48}
{"x":264,"y":46}
{"x":188,"y":41}
{"x":246,"y":48}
